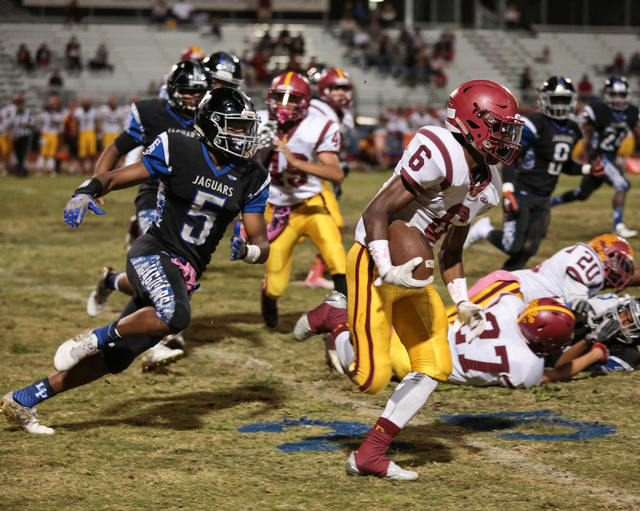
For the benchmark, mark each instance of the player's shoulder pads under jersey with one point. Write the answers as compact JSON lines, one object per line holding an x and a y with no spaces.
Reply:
{"x":536,"y":122}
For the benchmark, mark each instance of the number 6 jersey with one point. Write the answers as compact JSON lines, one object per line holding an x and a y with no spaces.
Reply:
{"x":315,"y":134}
{"x":501,"y":355}
{"x":434,"y":165}
{"x":196,"y":199}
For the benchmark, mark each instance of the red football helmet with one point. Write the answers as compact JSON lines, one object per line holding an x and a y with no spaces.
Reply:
{"x":288,"y":97}
{"x":487,"y":114}
{"x":547,"y":325}
{"x":193,"y":53}
{"x":333,"y":78}
{"x":617,"y":256}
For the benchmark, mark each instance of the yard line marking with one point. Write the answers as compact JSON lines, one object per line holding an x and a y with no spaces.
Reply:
{"x":69,"y":293}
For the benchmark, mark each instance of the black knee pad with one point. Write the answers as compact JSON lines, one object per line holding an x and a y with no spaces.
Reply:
{"x":181,"y":317}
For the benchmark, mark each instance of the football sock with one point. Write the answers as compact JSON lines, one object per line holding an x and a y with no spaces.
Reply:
{"x":111,"y":282}
{"x":344,"y":348}
{"x":495,"y":238}
{"x":410,"y":395}
{"x":40,"y":163}
{"x":340,"y":283}
{"x":116,"y":282}
{"x":107,"y":335}
{"x":556,"y":200}
{"x":34,"y":394}
{"x":370,"y":456}
{"x":617,"y":216}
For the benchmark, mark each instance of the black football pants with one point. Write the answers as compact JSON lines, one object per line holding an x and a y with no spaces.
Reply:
{"x":521,"y":235}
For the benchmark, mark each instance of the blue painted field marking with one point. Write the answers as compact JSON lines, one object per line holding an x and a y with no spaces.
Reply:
{"x":507,"y":420}
{"x":322,"y":443}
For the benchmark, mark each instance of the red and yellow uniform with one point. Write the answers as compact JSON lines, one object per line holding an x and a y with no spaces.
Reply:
{"x":51,"y":125}
{"x":87,"y":142}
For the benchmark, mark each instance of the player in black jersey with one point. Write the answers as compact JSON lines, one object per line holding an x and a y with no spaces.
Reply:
{"x":606,"y":126}
{"x":548,"y":139}
{"x":205,"y":183}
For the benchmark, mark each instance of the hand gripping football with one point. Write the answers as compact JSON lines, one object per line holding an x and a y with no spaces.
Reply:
{"x":407,"y":241}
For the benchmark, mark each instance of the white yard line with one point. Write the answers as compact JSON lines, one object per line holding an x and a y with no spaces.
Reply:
{"x":69,"y":293}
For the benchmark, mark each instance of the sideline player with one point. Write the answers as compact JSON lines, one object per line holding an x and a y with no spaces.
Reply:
{"x":111,"y":119}
{"x":303,"y":152}
{"x":443,"y":181}
{"x":51,"y":125}
{"x":336,"y":98}
{"x":165,"y":264}
{"x":548,"y":139}
{"x":87,"y":141}
{"x":606,"y":126}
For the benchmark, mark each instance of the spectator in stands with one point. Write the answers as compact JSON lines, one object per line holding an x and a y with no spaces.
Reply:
{"x":159,"y":12}
{"x":265,"y":12}
{"x":405,"y":38}
{"x":297,"y":45}
{"x":416,"y":39}
{"x":266,"y":43}
{"x":544,"y":57}
{"x":73,"y":13}
{"x":56,"y":81}
{"x":361,"y":14}
{"x":259,"y":63}
{"x":618,"y":64}
{"x":100,"y":61}
{"x":183,"y":12}
{"x":585,"y":88}
{"x":73,"y":55}
{"x":447,"y":44}
{"x":634,"y":64}
{"x":216,"y":27}
{"x":526,"y":83}
{"x":361,"y":38}
{"x":513,"y":17}
{"x":43,"y":56}
{"x":348,"y":28}
{"x":295,"y":65}
{"x":384,"y":54}
{"x":387,"y":15}
{"x":23,"y":58}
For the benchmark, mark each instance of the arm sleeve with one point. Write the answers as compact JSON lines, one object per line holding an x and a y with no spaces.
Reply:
{"x":529,"y":135}
{"x":330,"y":141}
{"x":257,"y":202}
{"x":156,"y":158}
{"x":133,"y":126}
{"x":426,"y":162}
{"x":125,"y":143}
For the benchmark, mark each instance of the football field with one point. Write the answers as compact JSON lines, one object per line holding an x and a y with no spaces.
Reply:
{"x":250,"y":419}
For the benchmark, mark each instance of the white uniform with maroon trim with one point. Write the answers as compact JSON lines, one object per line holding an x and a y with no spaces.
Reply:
{"x":112,"y":120}
{"x":86,"y":119}
{"x":51,"y":123}
{"x":314,"y":135}
{"x":319,"y":107}
{"x":575,"y":273}
{"x":434,"y":165}
{"x":501,"y":355}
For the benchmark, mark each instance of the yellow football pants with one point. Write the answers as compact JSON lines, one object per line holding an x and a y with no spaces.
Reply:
{"x":108,"y":138}
{"x":487,"y":294}
{"x":6,"y":146}
{"x":49,"y":145}
{"x":87,"y":144}
{"x":311,"y":218}
{"x":418,"y":316}
{"x":332,"y":203}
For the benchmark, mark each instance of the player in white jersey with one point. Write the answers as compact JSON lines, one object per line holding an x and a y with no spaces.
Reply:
{"x":421,"y":117}
{"x":6,"y":145}
{"x":303,"y":151}
{"x":51,"y":125}
{"x":444,"y":179}
{"x":87,"y":140}
{"x":111,"y":121}
{"x":572,"y":275}
{"x":336,"y":97}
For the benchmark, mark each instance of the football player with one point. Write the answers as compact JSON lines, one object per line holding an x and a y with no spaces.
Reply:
{"x":206,"y":182}
{"x":336,"y":98}
{"x":87,"y":141}
{"x":445,"y":178}
{"x":112,"y":119}
{"x":187,"y":84}
{"x":548,"y":139}
{"x":572,"y":275}
{"x":303,"y":152}
{"x":606,"y":126}
{"x":51,"y":123}
{"x":225,"y":69}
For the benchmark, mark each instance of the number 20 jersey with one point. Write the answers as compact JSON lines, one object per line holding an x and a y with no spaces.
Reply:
{"x":434,"y":165}
{"x":501,"y":355}
{"x":196,"y":199}
{"x":315,"y":134}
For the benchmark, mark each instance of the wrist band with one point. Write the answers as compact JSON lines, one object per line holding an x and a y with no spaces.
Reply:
{"x":253,"y":254}
{"x":379,"y":250}
{"x":458,"y":290}
{"x":92,"y":187}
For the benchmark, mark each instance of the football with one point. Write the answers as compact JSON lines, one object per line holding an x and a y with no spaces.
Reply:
{"x":407,"y":241}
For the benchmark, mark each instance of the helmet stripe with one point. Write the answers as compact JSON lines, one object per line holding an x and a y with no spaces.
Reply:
{"x":287,"y":79}
{"x":340,"y":73}
{"x":566,"y":310}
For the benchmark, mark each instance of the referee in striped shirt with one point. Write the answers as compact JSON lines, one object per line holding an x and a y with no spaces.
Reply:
{"x":21,"y":125}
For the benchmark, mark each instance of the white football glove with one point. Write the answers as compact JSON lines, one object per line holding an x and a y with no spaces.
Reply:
{"x":402,"y":276}
{"x":473,"y":315}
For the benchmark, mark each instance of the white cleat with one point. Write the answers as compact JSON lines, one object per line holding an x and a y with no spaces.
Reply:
{"x":160,"y":355}
{"x":75,"y":349}
{"x":302,"y":331}
{"x":622,"y":231}
{"x":393,"y":472}
{"x":25,"y":417}
{"x":174,"y":341}
{"x":98,"y":299}
{"x":479,"y":231}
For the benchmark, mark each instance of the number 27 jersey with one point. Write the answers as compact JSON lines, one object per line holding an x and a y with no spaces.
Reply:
{"x":315,"y":134}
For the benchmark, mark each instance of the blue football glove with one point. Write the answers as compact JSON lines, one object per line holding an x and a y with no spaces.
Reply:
{"x":238,"y":244}
{"x":77,"y":207}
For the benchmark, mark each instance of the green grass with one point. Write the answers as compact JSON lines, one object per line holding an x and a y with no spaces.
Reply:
{"x":168,"y":440}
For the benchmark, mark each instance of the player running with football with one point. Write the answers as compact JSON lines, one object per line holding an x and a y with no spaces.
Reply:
{"x":548,"y":139}
{"x":444,"y":180}
{"x":336,"y":98}
{"x":302,"y":151}
{"x":606,"y":126}
{"x":206,"y":182}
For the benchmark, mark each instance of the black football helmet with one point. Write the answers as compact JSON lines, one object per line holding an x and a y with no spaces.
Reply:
{"x":187,"y":77}
{"x":616,"y":92}
{"x":558,"y":98}
{"x":226,"y":120}
{"x":627,"y":315}
{"x":224,"y":67}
